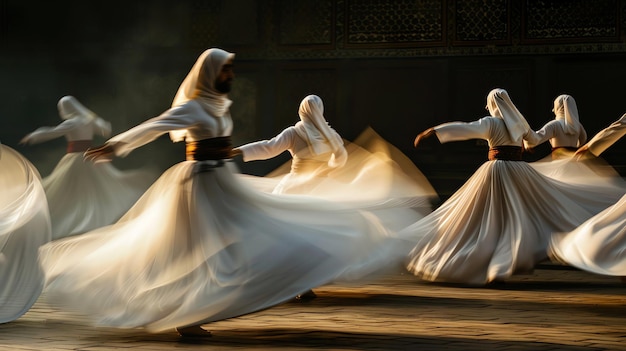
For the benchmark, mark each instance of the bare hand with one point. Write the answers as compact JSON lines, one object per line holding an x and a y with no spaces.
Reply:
{"x":423,"y":135}
{"x":25,"y":140}
{"x":581,"y":153}
{"x":235,"y":152}
{"x":101,"y":153}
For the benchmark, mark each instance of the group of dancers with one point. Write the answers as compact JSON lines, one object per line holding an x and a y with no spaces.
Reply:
{"x":204,"y":243}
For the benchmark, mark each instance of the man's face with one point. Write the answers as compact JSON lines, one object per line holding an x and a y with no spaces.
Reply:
{"x":225,"y":78}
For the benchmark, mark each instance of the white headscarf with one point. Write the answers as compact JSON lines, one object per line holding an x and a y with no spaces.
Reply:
{"x":314,"y":129}
{"x":565,"y":109}
{"x":70,"y":108}
{"x":500,"y":105}
{"x":200,"y":85}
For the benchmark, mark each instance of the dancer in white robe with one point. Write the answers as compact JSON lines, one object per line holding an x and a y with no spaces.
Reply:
{"x":395,"y":191}
{"x":24,"y":227}
{"x":376,"y":178}
{"x":200,"y":245}
{"x":84,"y":195}
{"x":566,"y":135}
{"x":499,"y":222}
{"x":315,"y":147}
{"x":599,"y":244}
{"x":565,"y":132}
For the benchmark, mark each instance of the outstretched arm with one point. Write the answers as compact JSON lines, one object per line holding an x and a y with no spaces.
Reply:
{"x":266,"y":149}
{"x":604,"y":139}
{"x":48,"y":133}
{"x":533,"y":139}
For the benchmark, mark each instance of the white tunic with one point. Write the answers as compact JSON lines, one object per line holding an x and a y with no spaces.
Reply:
{"x":24,"y":227}
{"x":500,"y":221}
{"x":201,"y":246}
{"x":559,"y":164}
{"x":554,"y":131}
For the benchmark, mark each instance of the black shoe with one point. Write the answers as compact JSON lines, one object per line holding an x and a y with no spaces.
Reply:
{"x":193,"y":332}
{"x":306,"y":296}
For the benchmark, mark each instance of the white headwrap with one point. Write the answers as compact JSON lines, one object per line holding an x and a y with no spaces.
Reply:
{"x":69,"y":108}
{"x":565,"y":109}
{"x":200,"y":85}
{"x":314,"y":129}
{"x":500,"y":105}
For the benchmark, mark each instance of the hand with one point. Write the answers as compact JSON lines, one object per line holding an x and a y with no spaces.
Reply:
{"x":235,"y":152}
{"x":423,"y":135}
{"x":103,"y":153}
{"x":527,"y":147}
{"x":581,"y":153}
{"x":25,"y":140}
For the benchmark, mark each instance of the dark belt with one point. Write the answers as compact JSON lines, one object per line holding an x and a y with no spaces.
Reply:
{"x":505,"y":153}
{"x":568,"y":148}
{"x":78,"y":146}
{"x":218,"y":148}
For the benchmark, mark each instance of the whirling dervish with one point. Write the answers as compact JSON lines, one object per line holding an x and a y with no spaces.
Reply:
{"x":24,"y":227}
{"x":84,"y":195}
{"x":201,"y":245}
{"x":368,"y":173}
{"x":566,"y":134}
{"x":599,"y":244}
{"x":500,"y":221}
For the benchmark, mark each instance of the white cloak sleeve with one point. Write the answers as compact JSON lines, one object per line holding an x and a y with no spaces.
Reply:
{"x":176,"y":118}
{"x":265,"y":149}
{"x":457,"y":131}
{"x":607,"y":137}
{"x":544,"y":134}
{"x":48,"y":133}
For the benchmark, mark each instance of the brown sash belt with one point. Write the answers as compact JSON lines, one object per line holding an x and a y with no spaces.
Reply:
{"x":505,"y":153}
{"x":219,"y":148}
{"x":78,"y":146}
{"x":568,"y":148}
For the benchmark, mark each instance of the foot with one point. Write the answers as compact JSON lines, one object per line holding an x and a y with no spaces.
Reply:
{"x":194,"y":331}
{"x":305,"y":296}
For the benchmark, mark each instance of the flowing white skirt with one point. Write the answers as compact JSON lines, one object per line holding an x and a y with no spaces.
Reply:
{"x":598,"y":245}
{"x":24,"y":227}
{"x":377,"y":177}
{"x":499,"y":223}
{"x":201,"y":246}
{"x":83,"y":195}
{"x":593,"y":171}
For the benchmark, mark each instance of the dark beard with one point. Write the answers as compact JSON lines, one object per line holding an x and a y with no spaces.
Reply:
{"x":223,"y":87}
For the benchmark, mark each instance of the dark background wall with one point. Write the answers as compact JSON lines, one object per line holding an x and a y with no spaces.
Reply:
{"x":398,"y":66}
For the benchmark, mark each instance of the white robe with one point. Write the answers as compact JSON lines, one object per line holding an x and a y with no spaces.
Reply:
{"x":561,"y":166}
{"x":377,"y":176}
{"x":500,"y":221}
{"x":82,"y":195}
{"x":24,"y":227}
{"x":201,"y":246}
{"x":599,"y":244}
